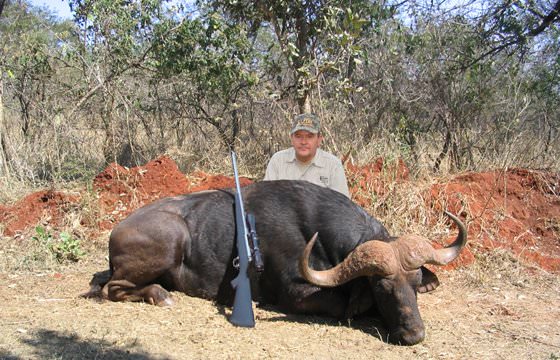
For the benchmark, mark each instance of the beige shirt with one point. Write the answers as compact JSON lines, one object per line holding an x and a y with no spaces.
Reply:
{"x":325,"y":169}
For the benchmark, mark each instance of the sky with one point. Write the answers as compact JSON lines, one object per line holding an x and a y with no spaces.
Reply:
{"x":59,"y":7}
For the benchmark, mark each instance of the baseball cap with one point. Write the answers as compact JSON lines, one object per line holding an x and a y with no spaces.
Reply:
{"x":308,"y":122}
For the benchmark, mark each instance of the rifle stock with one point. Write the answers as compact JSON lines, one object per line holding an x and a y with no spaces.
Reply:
{"x":242,"y":313}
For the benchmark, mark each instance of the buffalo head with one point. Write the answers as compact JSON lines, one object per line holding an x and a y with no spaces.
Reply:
{"x":394,"y":271}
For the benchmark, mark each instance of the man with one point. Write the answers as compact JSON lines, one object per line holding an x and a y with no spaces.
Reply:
{"x":305,"y":160}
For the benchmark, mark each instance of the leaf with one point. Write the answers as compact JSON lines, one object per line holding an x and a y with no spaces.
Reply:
{"x":40,"y":231}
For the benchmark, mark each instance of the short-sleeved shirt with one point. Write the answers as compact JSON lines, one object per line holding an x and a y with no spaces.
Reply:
{"x":325,"y":169}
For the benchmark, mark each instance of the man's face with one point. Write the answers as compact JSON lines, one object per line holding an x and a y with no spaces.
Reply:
{"x":306,"y":144}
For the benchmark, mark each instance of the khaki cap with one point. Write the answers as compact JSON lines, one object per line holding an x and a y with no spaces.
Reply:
{"x":308,"y":122}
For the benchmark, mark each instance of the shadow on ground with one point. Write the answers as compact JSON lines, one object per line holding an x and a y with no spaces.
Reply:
{"x":49,"y":344}
{"x":367,"y":324}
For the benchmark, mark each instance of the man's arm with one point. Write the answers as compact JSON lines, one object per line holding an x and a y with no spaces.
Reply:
{"x":271,"y":170}
{"x":338,"y":180}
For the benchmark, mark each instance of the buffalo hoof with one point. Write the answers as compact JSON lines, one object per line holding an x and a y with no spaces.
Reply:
{"x":157,"y":295}
{"x":165,"y":302}
{"x":94,"y":292}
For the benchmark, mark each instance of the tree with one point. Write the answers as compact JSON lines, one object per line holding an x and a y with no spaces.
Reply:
{"x":117,"y":41}
{"x":28,"y":46}
{"x":209,"y":61}
{"x":3,"y":161}
{"x":195,"y":66}
{"x":508,"y":25}
{"x":314,"y":36}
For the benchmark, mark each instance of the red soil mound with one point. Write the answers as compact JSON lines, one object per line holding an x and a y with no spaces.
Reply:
{"x":201,"y":181}
{"x":123,"y":190}
{"x":119,"y":190}
{"x":374,"y":177}
{"x":46,"y":206}
{"x":516,"y":209}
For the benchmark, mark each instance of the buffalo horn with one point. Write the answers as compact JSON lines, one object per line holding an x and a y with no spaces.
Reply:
{"x":369,"y":258}
{"x":449,"y":253}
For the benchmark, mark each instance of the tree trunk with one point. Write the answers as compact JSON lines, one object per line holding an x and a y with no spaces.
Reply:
{"x":304,"y":103}
{"x":4,"y":170}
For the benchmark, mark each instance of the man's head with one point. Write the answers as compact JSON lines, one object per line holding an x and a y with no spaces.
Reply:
{"x":306,"y":136}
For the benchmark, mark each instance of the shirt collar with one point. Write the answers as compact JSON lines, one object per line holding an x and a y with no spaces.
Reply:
{"x":318,"y":160}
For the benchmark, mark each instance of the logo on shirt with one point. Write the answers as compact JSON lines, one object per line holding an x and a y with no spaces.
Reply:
{"x":324,"y":180}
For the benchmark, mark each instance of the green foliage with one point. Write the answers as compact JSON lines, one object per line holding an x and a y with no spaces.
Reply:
{"x":118,"y":31}
{"x":208,"y":51}
{"x":65,"y":248}
{"x":314,"y":37}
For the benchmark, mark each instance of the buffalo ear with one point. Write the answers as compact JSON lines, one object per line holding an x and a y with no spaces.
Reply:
{"x":429,"y":281}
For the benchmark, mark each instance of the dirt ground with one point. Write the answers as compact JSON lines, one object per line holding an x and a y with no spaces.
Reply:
{"x":501,"y":301}
{"x":42,"y":318}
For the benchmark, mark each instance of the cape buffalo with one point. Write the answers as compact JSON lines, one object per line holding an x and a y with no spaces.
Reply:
{"x":322,"y":254}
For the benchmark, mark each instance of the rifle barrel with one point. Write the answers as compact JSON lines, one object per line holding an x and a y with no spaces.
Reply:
{"x":239,"y":210}
{"x":242,"y":313}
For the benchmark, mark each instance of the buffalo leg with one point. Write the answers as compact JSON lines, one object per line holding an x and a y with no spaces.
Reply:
{"x":97,"y":285}
{"x":146,"y":256}
{"x":124,"y":290}
{"x":321,"y":302}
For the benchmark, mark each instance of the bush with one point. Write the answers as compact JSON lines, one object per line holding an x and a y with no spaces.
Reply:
{"x":65,"y":248}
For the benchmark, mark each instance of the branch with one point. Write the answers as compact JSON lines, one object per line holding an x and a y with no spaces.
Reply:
{"x":548,"y":20}
{"x":84,"y":98}
{"x":552,"y":17}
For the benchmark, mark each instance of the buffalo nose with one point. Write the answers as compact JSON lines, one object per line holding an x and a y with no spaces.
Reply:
{"x":407,"y":336}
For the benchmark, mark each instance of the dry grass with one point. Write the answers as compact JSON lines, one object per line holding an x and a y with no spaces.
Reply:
{"x":483,"y":312}
{"x":80,"y":150}
{"x":12,"y":189}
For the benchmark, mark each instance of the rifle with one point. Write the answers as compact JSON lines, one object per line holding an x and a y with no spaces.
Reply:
{"x":242,"y":314}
